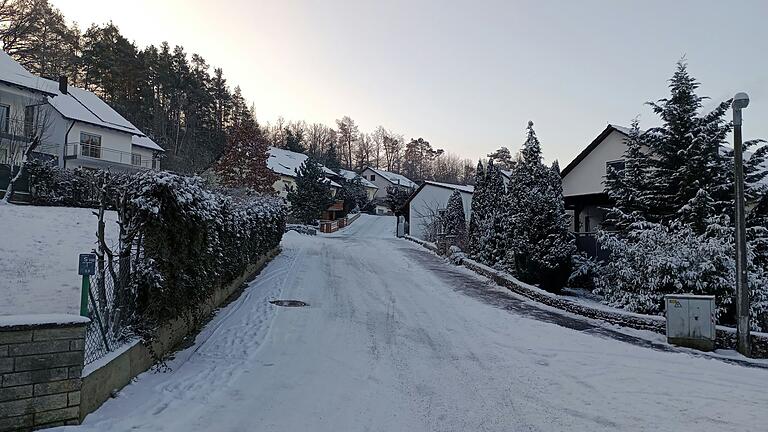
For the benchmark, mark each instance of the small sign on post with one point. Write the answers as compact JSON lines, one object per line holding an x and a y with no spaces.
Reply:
{"x":86,"y":268}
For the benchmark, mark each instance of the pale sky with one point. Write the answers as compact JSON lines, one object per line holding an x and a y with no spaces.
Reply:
{"x":466,"y":76}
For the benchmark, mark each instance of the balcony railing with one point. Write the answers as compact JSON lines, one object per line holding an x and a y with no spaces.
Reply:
{"x":106,"y":154}
{"x":16,"y":130}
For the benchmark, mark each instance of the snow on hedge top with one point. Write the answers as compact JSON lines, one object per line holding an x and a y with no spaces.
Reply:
{"x":286,"y":162}
{"x":394,"y":178}
{"x":146,"y":142}
{"x":351,"y":175}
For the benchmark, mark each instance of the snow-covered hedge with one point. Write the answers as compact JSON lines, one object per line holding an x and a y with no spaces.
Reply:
{"x":190,"y":241}
{"x":54,"y":186}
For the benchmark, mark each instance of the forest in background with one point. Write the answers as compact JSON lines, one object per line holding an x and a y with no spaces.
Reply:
{"x":188,"y":107}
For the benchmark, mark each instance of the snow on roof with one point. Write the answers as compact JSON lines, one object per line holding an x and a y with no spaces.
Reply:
{"x":12,"y":72}
{"x":77,"y":104}
{"x":623,"y":129}
{"x":332,"y":183}
{"x":84,"y":106}
{"x":286,"y":162}
{"x":461,"y":188}
{"x":351,"y":175}
{"x":394,"y":178}
{"x":146,"y":142}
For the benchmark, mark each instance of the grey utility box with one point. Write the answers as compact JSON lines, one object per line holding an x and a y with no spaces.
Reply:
{"x":691,"y":320}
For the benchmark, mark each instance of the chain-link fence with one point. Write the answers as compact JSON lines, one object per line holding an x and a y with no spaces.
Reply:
{"x":106,"y":332}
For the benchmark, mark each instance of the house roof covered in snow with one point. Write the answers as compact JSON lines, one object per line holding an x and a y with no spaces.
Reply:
{"x":351,"y":175}
{"x":460,"y":188}
{"x":12,"y":73}
{"x":394,"y":178}
{"x":77,"y":104}
{"x":593,"y":145}
{"x":286,"y":162}
{"x":146,"y":142}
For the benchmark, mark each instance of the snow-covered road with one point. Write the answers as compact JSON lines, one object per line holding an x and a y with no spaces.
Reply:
{"x":389,"y":344}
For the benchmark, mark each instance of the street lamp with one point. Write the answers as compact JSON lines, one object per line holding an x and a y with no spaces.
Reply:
{"x":740,"y":101}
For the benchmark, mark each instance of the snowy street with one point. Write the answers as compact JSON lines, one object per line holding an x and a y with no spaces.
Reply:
{"x":389,"y":343}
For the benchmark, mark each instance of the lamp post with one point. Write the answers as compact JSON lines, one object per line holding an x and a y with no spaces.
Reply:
{"x":740,"y":101}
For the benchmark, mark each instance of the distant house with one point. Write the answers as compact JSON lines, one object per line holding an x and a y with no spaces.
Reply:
{"x":370,"y":188}
{"x":383,"y":179}
{"x":77,"y":128}
{"x":583,"y":185}
{"x":428,"y":202}
{"x":286,"y":163}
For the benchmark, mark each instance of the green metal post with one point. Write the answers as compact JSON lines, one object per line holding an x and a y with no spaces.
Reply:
{"x":84,"y":295}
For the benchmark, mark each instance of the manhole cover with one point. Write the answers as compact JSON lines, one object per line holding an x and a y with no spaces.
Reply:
{"x":289,"y":303}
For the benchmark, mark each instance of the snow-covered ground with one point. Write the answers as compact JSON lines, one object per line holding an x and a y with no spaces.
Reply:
{"x":388,"y":344}
{"x":39,"y":247}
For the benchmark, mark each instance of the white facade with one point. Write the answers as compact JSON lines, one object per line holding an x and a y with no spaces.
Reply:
{"x":429,"y":200}
{"x":77,"y":128}
{"x":13,"y":119}
{"x":588,"y":176}
{"x":384,"y":179}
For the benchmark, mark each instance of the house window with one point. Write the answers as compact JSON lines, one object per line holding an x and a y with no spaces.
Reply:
{"x":373,"y":177}
{"x":5,"y":118}
{"x":3,"y":156}
{"x":90,"y":145}
{"x":617,"y":165}
{"x":135,"y":159}
{"x":29,"y":120}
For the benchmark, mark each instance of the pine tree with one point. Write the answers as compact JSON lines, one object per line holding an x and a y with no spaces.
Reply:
{"x":294,"y":141}
{"x":539,"y":246}
{"x":455,"y":221}
{"x":502,"y":157}
{"x":312,"y":194}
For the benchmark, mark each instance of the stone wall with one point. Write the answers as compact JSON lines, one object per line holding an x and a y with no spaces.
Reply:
{"x":40,"y":368}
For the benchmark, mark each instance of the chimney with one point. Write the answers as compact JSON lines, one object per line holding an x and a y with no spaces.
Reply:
{"x":63,"y":84}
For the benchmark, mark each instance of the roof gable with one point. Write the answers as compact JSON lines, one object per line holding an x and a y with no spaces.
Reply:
{"x":593,"y":145}
{"x":394,"y":178}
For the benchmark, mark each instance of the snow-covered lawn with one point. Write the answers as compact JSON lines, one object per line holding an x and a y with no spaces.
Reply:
{"x":389,"y":343}
{"x":39,"y":247}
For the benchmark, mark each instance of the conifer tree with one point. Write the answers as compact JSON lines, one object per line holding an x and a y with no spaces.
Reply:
{"x":455,"y":221}
{"x":492,"y":236}
{"x":628,"y":188}
{"x":686,"y":152}
{"x":539,"y":246}
{"x":478,"y":211}
{"x":312,"y":194}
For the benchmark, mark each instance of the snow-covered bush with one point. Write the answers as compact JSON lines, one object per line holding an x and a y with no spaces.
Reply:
{"x":188,"y":241}
{"x":54,"y":186}
{"x":653,"y":260}
{"x":455,"y":255}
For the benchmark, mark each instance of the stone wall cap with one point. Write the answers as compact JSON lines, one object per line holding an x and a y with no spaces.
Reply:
{"x":40,"y":320}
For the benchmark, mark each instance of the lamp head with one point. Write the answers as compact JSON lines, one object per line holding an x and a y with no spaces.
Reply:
{"x":740,"y":101}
